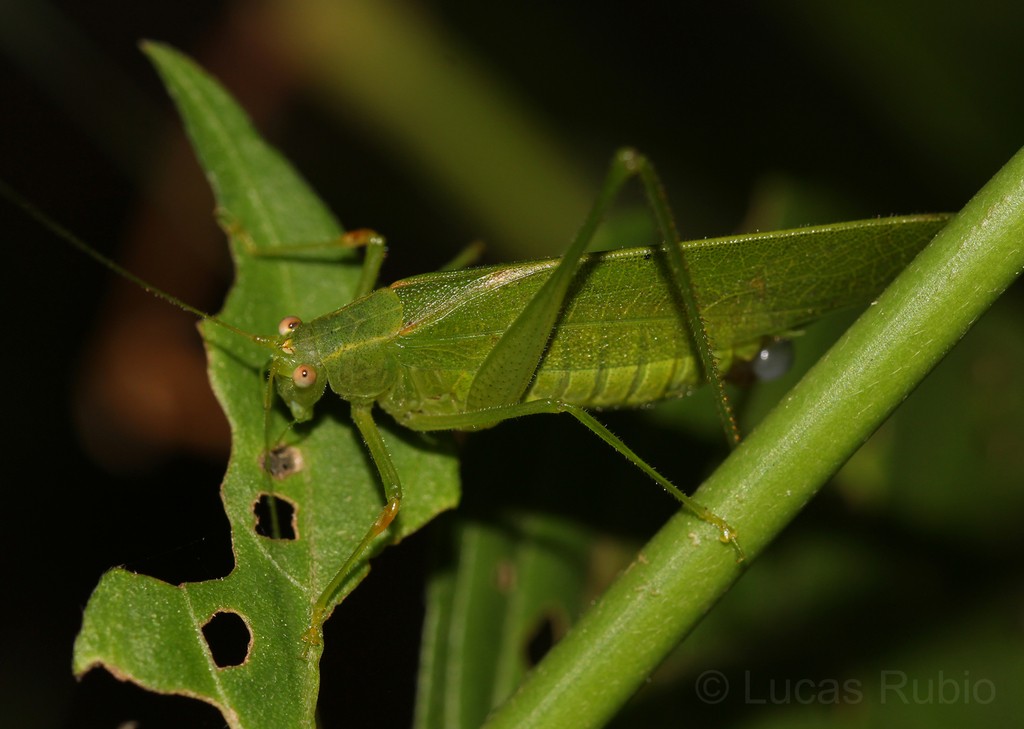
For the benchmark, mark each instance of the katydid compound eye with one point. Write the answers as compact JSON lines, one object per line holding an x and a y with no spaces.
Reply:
{"x":304,"y":376}
{"x":288,"y":324}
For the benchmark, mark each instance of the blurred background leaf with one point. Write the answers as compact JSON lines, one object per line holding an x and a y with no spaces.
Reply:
{"x":454,"y":116}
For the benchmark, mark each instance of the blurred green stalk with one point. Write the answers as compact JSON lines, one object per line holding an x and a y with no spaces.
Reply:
{"x":412,"y":86}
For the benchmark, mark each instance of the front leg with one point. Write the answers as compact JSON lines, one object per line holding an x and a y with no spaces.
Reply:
{"x":363,"y":417}
{"x":374,"y":259}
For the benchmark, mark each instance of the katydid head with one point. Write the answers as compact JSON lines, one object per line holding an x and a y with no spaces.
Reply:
{"x":350,"y":348}
{"x":296,"y":368}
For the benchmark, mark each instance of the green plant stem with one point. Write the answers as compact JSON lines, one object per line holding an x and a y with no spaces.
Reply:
{"x":683,"y":570}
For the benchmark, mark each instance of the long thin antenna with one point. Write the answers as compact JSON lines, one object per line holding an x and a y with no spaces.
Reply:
{"x":71,"y":238}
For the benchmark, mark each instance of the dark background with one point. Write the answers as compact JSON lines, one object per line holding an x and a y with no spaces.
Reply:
{"x":841,"y":110}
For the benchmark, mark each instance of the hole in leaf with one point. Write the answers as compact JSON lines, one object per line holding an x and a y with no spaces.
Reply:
{"x":285,"y":516}
{"x":284,"y":461}
{"x":544,"y":636}
{"x":229,"y":639}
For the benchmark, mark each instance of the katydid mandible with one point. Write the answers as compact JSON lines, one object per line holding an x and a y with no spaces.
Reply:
{"x":470,"y":349}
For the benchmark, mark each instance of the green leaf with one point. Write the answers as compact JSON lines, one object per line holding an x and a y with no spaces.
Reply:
{"x":494,"y":590}
{"x":150,"y":632}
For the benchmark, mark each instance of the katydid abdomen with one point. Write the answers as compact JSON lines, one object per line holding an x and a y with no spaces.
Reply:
{"x":615,"y":343}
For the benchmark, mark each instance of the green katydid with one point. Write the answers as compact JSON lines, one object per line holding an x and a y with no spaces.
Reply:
{"x":469,"y":349}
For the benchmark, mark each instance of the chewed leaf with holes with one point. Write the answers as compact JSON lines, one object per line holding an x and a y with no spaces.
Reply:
{"x":327,"y":491}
